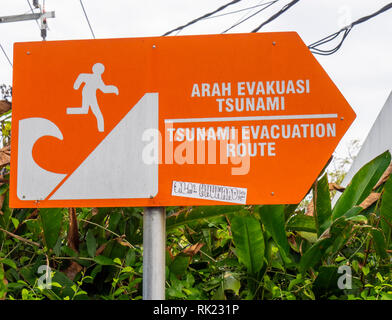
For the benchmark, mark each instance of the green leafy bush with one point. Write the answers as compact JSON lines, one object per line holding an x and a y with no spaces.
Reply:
{"x":214,"y":252}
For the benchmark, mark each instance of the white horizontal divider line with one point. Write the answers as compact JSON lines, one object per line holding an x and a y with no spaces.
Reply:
{"x":255,"y":118}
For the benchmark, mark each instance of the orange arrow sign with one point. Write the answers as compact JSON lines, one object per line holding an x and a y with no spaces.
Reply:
{"x":193,"y":120}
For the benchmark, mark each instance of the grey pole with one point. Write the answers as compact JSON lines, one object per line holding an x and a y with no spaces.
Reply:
{"x":154,"y":247}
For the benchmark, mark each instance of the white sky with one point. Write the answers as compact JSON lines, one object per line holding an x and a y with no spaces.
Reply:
{"x":361,"y":69}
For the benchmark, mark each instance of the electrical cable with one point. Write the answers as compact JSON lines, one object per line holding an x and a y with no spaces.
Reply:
{"x":240,"y":10}
{"x":236,"y":11}
{"x":88,"y":21}
{"x":201,"y":18}
{"x":276,"y":15}
{"x":267,"y":5}
{"x":346,"y":30}
{"x":5,"y":53}
{"x":32,"y":11}
{"x":249,"y":13}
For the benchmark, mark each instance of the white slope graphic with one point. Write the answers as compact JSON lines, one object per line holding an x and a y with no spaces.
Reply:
{"x":33,"y":182}
{"x":115,"y":169}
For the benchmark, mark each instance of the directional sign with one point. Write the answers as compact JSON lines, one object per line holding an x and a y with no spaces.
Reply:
{"x":193,"y":120}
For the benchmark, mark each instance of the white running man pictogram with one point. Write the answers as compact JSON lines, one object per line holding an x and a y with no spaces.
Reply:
{"x":93,"y":82}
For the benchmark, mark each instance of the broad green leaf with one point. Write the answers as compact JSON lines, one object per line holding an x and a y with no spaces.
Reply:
{"x":180,"y":264}
{"x":249,"y":242}
{"x":358,"y":218}
{"x":386,"y":210}
{"x":130,"y":257}
{"x":4,"y":188}
{"x":8,"y":262}
{"x":274,"y":222}
{"x":91,"y":244}
{"x":386,"y":296}
{"x":361,"y":185}
{"x":289,"y":210}
{"x":68,"y":251}
{"x":354,"y":211}
{"x":15,"y":222}
{"x":104,"y":261}
{"x":6,"y":215}
{"x":309,"y":236}
{"x":322,"y":205}
{"x":298,"y":280}
{"x":65,"y":288}
{"x":219,"y":294}
{"x":340,"y":232}
{"x":51,"y":220}
{"x":365,"y":270}
{"x":55,"y":284}
{"x":97,"y":269}
{"x":379,"y":243}
{"x":29,"y":274}
{"x":115,"y":218}
{"x":127,"y":269}
{"x":132,"y":227}
{"x":199,"y":213}
{"x":3,"y":286}
{"x":231,"y":283}
{"x":330,"y":242}
{"x":313,"y":255}
{"x":326,"y":282}
{"x":301,"y":222}
{"x":33,"y":226}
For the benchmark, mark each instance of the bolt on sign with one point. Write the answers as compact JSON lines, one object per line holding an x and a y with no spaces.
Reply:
{"x":168,"y":121}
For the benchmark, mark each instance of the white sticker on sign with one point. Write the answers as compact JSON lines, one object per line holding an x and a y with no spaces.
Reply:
{"x":209,"y":192}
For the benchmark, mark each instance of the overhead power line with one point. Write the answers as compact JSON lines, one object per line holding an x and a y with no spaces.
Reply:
{"x":313,"y":47}
{"x":345,"y":31}
{"x":266,"y":4}
{"x":32,"y":11}
{"x":249,"y":13}
{"x":88,"y":21}
{"x":276,"y":15}
{"x":240,"y":10}
{"x":211,"y":15}
{"x":202,"y":17}
{"x":5,"y":54}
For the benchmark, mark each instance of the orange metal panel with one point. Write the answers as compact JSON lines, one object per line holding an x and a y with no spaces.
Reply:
{"x":266,"y":93}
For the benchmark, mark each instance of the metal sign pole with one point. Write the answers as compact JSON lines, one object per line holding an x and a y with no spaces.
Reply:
{"x":154,"y":246}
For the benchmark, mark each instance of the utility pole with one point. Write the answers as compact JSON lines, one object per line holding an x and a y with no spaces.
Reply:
{"x":154,"y":253}
{"x":42,"y":16}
